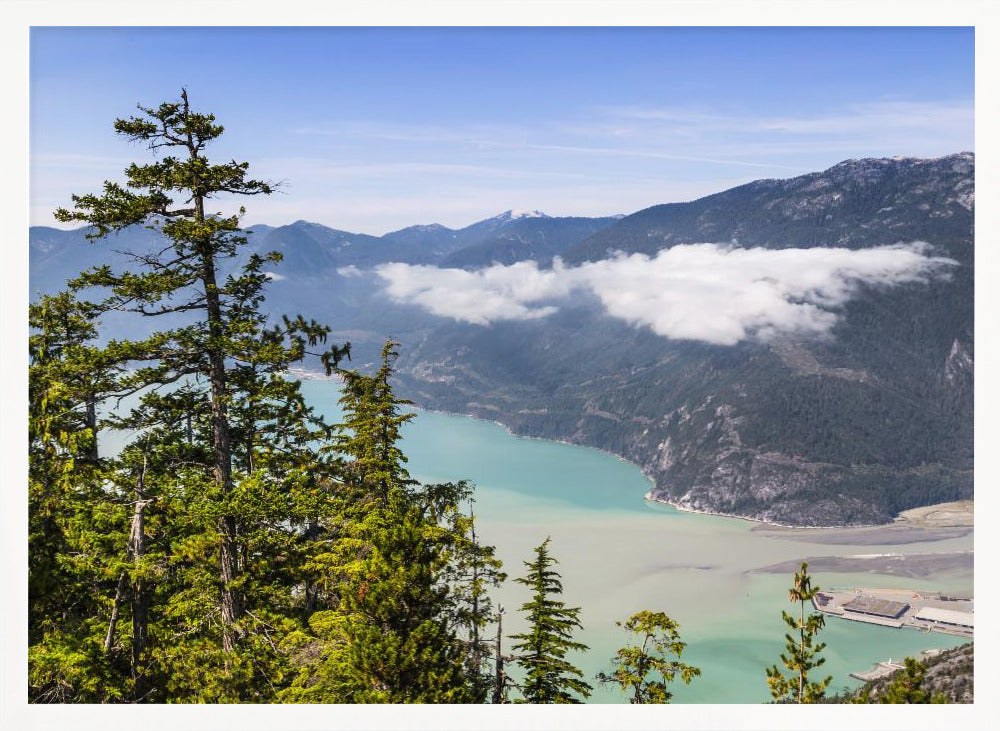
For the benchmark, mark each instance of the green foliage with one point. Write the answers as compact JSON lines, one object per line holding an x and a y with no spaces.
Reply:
{"x":802,"y":652}
{"x":195,"y":535}
{"x":472,"y":569}
{"x":549,"y":677}
{"x":396,"y":643}
{"x":946,"y":677}
{"x":370,"y":434}
{"x":397,"y":566}
{"x":633,"y":665}
{"x":71,"y":521}
{"x":238,"y":549}
{"x":906,"y":686}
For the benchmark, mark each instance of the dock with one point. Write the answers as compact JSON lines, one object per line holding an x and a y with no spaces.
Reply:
{"x":880,"y":670}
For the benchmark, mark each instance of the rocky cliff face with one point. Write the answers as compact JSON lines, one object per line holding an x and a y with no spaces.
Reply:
{"x":949,"y":674}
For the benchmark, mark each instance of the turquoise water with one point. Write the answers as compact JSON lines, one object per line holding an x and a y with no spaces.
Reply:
{"x":619,"y":553}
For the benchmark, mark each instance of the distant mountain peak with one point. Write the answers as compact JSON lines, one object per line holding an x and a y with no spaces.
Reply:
{"x":881,"y":162}
{"x":516,"y":213}
{"x":422,"y":228}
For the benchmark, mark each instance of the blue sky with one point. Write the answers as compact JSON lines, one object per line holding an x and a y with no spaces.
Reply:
{"x":374,"y":129}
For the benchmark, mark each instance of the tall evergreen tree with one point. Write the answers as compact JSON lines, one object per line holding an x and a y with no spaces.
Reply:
{"x":393,"y":636}
{"x":370,"y":434}
{"x":802,"y":652}
{"x":634,"y":664}
{"x":225,"y":478}
{"x":473,"y":569}
{"x":548,"y":676}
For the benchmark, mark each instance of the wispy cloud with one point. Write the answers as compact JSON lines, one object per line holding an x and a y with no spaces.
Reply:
{"x":855,"y":126}
{"x":477,"y":134}
{"x":656,"y":155}
{"x":702,"y":136}
{"x":707,"y":292}
{"x":297,"y":167}
{"x":525,"y":139}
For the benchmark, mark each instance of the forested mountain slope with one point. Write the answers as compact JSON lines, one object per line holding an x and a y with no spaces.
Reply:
{"x":847,"y":430}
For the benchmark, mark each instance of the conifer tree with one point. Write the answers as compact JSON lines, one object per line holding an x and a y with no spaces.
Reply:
{"x":470,"y":569}
{"x":369,"y":436}
{"x":393,"y":635}
{"x":62,"y":438}
{"x":802,"y":652}
{"x":548,"y":676}
{"x":634,"y":664}
{"x":474,"y":569}
{"x":228,"y":475}
{"x":70,"y":519}
{"x":906,"y":686}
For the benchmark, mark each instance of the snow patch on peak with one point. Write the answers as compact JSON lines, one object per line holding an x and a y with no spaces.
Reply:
{"x":516,"y":213}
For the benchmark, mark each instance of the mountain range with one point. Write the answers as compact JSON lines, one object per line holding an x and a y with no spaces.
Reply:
{"x":850,"y":428}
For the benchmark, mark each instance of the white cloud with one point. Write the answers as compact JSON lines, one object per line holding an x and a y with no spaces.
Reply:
{"x":708,"y":292}
{"x":514,"y":292}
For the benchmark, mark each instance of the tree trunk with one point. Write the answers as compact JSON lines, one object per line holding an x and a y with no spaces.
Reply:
{"x":311,"y":590}
{"x":222,"y":453}
{"x":109,"y":638}
{"x":500,"y":678}
{"x":231,"y":605}
{"x":91,"y":421}
{"x":477,"y":649}
{"x":802,"y":642}
{"x":140,"y":598}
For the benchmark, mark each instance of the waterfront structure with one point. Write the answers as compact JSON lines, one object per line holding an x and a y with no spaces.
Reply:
{"x":930,"y":612}
{"x":866,"y":604}
{"x":949,"y":617}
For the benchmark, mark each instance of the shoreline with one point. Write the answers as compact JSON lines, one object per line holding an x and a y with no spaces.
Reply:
{"x":648,"y":496}
{"x":697,"y":511}
{"x":314,"y":376}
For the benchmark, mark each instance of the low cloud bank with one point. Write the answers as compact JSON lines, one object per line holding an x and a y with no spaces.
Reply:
{"x":709,"y":292}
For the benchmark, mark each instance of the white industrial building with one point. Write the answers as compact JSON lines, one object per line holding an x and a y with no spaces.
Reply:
{"x":947,"y":616}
